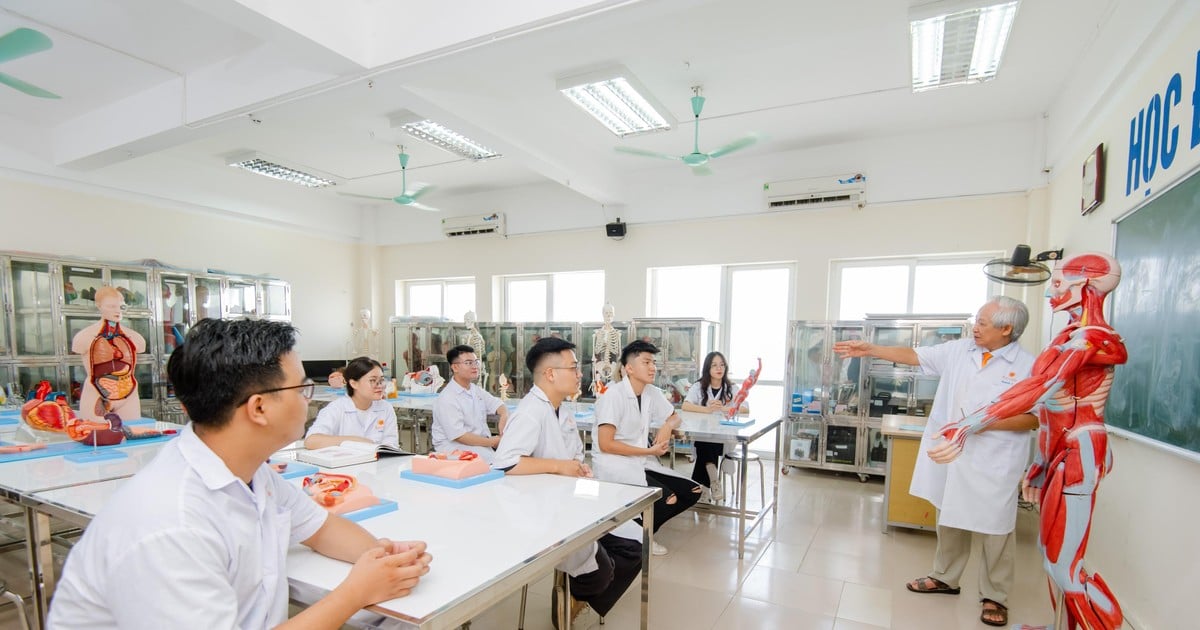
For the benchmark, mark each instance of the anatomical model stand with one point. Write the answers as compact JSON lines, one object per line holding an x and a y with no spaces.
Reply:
{"x":606,"y":351}
{"x":1069,"y":387}
{"x":475,"y":340}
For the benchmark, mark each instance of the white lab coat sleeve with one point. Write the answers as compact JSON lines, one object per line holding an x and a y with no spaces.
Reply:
{"x":391,"y":430}
{"x":306,"y":516}
{"x":693,"y":394}
{"x":491,"y":403}
{"x":327,"y":419}
{"x":661,"y":408}
{"x":935,"y":360}
{"x":520,"y":439}
{"x":608,"y":409}
{"x":448,"y":417}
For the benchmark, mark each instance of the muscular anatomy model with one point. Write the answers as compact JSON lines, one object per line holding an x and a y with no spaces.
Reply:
{"x":109,"y":356}
{"x":1068,"y":389}
{"x":734,"y":405}
{"x":475,"y":340}
{"x":606,"y":350}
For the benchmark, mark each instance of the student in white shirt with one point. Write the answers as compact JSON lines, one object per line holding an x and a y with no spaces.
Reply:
{"x":361,"y":416}
{"x":624,"y":415}
{"x":711,"y":394}
{"x":200,"y":536}
{"x":461,"y":410}
{"x":541,"y":437}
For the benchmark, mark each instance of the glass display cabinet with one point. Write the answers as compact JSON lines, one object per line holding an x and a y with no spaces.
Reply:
{"x":49,"y":299}
{"x":835,"y":406}
{"x":418,"y":342}
{"x":682,"y":343}
{"x":241,"y":298}
{"x":507,"y":343}
{"x":587,"y":353}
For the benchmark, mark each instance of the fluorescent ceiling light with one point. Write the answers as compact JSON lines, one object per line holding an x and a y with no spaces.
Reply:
{"x":440,"y":136}
{"x":257,"y":163}
{"x":617,"y":100}
{"x":958,"y":47}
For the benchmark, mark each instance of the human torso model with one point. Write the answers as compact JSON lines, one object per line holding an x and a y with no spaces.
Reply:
{"x":109,"y":357}
{"x":606,"y":351}
{"x":1068,"y":390}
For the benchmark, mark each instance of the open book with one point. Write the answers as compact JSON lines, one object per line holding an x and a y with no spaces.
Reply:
{"x":348,"y":453}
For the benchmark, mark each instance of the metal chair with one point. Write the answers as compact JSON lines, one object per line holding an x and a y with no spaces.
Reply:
{"x":734,"y":475}
{"x":16,"y":601}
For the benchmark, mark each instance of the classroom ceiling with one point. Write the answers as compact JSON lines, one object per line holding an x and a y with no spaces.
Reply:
{"x":157,"y":93}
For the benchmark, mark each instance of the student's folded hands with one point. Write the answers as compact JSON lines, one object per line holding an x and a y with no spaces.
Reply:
{"x":388,"y":570}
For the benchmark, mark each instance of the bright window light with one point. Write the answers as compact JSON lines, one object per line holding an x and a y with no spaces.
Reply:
{"x":256,"y":163}
{"x":961,"y":47}
{"x":448,"y":140}
{"x":614,"y":99}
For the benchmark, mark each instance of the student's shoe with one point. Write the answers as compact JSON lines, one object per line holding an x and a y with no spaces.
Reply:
{"x":578,"y":612}
{"x":714,"y":483}
{"x":659,"y":550}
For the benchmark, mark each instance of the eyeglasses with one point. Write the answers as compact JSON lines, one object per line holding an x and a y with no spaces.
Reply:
{"x":307,"y":389}
{"x":468,"y":363}
{"x":375,"y":382}
{"x":573,"y":368}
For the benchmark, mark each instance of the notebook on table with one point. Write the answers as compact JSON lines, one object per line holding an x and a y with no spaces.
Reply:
{"x":348,"y":453}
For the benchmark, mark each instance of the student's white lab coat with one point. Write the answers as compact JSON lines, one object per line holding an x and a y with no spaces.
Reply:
{"x":341,"y":417}
{"x":977,"y":491}
{"x":619,"y":407}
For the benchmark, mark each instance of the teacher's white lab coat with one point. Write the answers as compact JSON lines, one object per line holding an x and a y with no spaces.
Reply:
{"x":619,"y":407}
{"x":977,"y":491}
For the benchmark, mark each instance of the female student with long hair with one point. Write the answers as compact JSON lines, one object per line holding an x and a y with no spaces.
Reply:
{"x":361,"y":416}
{"x":711,"y":393}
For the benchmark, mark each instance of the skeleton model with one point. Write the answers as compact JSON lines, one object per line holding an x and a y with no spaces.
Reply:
{"x":606,"y":351}
{"x":475,"y":340}
{"x":1069,"y":387}
{"x":364,"y":340}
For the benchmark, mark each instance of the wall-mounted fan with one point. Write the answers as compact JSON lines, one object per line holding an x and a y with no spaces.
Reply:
{"x":21,"y":43}
{"x":1019,"y":269}
{"x":696,"y":160}
{"x":406,"y":198}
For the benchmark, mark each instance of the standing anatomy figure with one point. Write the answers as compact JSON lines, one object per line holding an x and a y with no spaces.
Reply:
{"x":475,"y":340}
{"x":606,"y":349}
{"x":364,"y":340}
{"x":1068,"y":388}
{"x":109,"y":356}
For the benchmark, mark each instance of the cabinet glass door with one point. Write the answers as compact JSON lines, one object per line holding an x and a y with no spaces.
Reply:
{"x":176,"y":309}
{"x":441,"y":339}
{"x":562,"y":331}
{"x":33,"y":315}
{"x":651,"y":334}
{"x":876,"y":449}
{"x":889,"y":394}
{"x":681,"y":344}
{"x":406,"y":351}
{"x":28,"y":377}
{"x":275,"y":300}
{"x":933,"y":334}
{"x":841,"y":444}
{"x":242,"y":298}
{"x":804,"y":440}
{"x":884,"y":335}
{"x":845,"y":373}
{"x":808,"y":368}
{"x":208,"y":298}
{"x":79,"y":285}
{"x":134,"y":286}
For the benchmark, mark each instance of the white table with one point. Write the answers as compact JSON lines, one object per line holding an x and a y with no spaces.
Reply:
{"x":540,"y":519}
{"x":707,"y":427}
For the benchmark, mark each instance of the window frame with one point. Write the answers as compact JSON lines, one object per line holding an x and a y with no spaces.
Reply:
{"x":836,"y":266}
{"x":550,"y":279}
{"x":404,"y":296}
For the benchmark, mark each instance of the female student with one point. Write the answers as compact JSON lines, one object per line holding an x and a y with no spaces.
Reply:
{"x":361,"y":416}
{"x":711,"y":394}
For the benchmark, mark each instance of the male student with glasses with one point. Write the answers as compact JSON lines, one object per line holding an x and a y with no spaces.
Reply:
{"x":461,"y":410}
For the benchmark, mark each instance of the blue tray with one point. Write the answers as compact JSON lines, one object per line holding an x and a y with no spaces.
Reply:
{"x":384,"y":507}
{"x":296,"y":469}
{"x":452,"y":483}
{"x":9,"y":417}
{"x":418,"y":395}
{"x":99,"y":455}
{"x":62,"y":448}
{"x":737,"y":423}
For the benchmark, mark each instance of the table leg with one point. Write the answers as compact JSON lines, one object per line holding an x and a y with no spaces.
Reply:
{"x":779,"y":451}
{"x":562,"y":587}
{"x":742,"y":500}
{"x":647,"y":544}
{"x":41,"y":562}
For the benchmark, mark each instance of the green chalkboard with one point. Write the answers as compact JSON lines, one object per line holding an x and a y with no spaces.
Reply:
{"x":1156,"y":309}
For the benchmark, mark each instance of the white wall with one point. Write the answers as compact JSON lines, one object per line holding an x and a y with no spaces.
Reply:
{"x":45,"y":220}
{"x":1144,"y":539}
{"x":809,"y":238}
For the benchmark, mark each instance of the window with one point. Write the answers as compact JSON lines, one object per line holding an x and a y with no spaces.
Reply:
{"x":924,"y":285}
{"x":685,"y":292}
{"x":572,"y":296}
{"x":449,"y":298}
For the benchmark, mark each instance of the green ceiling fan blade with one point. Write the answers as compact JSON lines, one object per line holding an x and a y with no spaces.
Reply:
{"x":701,"y":170}
{"x":22,"y":42}
{"x":28,"y":88}
{"x":421,"y":206}
{"x":736,"y":145}
{"x":421,"y":191}
{"x":346,"y":194}
{"x":645,"y":153}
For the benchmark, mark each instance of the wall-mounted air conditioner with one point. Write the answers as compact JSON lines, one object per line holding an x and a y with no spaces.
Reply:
{"x":474,"y":225}
{"x":817,"y":192}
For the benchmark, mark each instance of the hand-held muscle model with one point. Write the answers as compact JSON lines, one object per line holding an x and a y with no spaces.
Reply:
{"x":734,"y":405}
{"x":1068,"y":388}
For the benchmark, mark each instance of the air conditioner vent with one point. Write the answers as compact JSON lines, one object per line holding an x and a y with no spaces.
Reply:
{"x":816,"y":192}
{"x":474,"y":225}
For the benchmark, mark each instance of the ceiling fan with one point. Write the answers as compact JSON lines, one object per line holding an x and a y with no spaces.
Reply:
{"x":405,"y":198}
{"x":1019,"y":269}
{"x":696,"y":160}
{"x":23,"y":42}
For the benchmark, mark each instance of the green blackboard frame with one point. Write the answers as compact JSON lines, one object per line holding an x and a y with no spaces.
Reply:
{"x":1156,"y":309}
